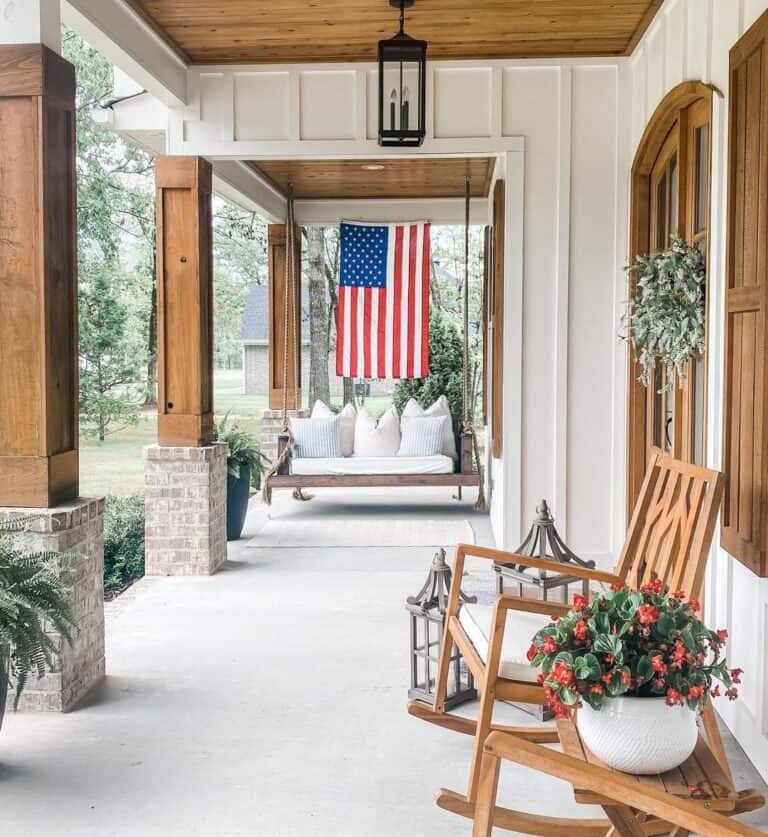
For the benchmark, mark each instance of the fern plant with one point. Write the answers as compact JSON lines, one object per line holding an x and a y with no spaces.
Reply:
{"x":244,"y":450}
{"x":665,"y":317}
{"x":33,"y":603}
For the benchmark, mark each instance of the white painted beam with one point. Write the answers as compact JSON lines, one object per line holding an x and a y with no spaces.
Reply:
{"x":438,"y":211}
{"x":239,"y":183}
{"x":31,"y":22}
{"x":127,"y":40}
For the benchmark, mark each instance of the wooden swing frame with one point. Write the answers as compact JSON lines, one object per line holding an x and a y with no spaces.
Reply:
{"x":468,"y":473}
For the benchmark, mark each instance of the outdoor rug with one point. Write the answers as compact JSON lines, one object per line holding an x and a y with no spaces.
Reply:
{"x":357,"y":532}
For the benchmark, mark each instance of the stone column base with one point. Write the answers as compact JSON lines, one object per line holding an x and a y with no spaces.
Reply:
{"x":186,"y":509}
{"x":76,"y":527}
{"x":271,"y":426}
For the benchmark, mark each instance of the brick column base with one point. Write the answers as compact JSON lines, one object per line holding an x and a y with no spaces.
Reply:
{"x":271,"y":426}
{"x":185,"y":493}
{"x":76,"y":527}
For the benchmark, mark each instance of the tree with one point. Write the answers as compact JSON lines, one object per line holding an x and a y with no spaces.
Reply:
{"x":446,"y":351}
{"x":240,"y":260}
{"x":319,"y":325}
{"x":109,"y":368}
{"x":115,"y":233}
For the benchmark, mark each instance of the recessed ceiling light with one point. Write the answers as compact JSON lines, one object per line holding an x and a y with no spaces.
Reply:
{"x":373,"y":167}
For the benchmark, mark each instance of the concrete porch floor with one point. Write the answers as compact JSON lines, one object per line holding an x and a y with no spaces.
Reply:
{"x":268,"y":699}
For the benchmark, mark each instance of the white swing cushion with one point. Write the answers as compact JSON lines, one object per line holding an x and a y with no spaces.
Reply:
{"x":372,"y":465}
{"x":476,"y":619}
{"x":377,"y":438}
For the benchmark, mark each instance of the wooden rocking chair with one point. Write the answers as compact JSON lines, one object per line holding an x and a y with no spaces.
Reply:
{"x":653,"y":805}
{"x":669,"y":537}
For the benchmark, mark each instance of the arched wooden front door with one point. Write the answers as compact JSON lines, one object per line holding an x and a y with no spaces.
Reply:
{"x":670,"y":196}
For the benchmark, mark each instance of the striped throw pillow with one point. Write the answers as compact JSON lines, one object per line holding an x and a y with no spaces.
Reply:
{"x":422,"y":436}
{"x":316,"y":438}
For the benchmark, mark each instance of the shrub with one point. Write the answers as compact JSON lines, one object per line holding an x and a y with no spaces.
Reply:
{"x":446,"y":350}
{"x":123,"y":542}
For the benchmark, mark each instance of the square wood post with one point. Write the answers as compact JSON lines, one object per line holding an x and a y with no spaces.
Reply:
{"x":185,"y":478}
{"x":184,"y":301}
{"x":278,"y":288}
{"x":38,"y":279}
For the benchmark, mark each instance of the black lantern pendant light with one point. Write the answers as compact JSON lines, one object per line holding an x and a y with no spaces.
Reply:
{"x":402,"y":86}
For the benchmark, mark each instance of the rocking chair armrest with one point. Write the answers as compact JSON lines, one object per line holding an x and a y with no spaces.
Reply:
{"x":625,"y":790}
{"x":502,"y":557}
{"x":505,"y":601}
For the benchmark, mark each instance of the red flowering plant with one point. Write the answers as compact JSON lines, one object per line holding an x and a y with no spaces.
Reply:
{"x":642,"y":643}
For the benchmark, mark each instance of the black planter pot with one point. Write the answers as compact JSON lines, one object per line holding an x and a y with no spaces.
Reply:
{"x":238,"y":491}
{"x":4,"y":661}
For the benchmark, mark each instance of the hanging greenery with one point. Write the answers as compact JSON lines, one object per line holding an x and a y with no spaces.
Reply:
{"x":665,"y":316}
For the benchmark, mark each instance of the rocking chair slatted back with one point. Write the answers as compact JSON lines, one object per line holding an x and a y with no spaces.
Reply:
{"x":672,"y":523}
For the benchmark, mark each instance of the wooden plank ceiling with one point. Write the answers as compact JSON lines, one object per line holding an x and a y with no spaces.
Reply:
{"x":423,"y":177}
{"x":299,"y":31}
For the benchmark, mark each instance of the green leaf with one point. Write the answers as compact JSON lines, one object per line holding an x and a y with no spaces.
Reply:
{"x":645,"y":668}
{"x":664,"y":627}
{"x":689,"y":641}
{"x":607,"y":644}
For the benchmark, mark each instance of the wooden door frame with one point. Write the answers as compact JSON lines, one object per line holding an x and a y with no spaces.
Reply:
{"x":655,"y":135}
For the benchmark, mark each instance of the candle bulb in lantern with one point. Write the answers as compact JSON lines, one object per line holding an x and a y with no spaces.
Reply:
{"x":405,"y":108}
{"x":392,"y":109}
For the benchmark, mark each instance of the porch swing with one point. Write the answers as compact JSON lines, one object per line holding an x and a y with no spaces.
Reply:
{"x":467,"y":470}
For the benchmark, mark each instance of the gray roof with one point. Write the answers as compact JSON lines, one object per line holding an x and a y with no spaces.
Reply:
{"x":255,"y":328}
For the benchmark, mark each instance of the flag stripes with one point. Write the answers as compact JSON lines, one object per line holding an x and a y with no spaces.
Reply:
{"x":383,"y":302}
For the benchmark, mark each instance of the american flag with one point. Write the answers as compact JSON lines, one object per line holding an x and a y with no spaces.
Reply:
{"x":382,"y":324}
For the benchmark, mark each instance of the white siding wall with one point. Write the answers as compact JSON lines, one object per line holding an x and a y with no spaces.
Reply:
{"x":571,"y":400}
{"x":690,"y":39}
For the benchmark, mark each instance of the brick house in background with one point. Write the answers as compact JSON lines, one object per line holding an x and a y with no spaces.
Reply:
{"x":255,"y":337}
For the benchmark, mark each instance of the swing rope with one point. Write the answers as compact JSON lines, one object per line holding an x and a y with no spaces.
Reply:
{"x":289,"y":326}
{"x":468,"y":427}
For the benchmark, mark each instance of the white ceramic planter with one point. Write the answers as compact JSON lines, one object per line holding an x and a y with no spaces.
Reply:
{"x":639,"y":735}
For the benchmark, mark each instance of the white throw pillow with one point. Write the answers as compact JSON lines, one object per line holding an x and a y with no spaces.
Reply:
{"x":422,"y":436}
{"x":316,"y":438}
{"x":374,"y":438}
{"x":346,"y":424}
{"x":440,"y":408}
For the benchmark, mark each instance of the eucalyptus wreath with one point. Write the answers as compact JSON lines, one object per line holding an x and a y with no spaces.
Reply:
{"x":665,"y":316}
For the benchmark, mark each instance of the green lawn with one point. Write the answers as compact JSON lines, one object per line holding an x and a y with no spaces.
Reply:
{"x":116,"y":466}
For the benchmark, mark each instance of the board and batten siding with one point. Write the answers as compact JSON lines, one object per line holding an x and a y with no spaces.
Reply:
{"x":691,"y":40}
{"x":565,"y":244}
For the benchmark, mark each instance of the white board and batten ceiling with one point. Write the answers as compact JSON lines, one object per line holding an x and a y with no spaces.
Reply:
{"x":691,"y":39}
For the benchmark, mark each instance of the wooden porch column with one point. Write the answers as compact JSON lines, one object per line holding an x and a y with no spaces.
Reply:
{"x":184,"y":302}
{"x":38,"y":278}
{"x":276,"y":319}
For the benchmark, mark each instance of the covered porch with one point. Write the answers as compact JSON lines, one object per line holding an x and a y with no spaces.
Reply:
{"x":269,"y":699}
{"x":261,"y":686}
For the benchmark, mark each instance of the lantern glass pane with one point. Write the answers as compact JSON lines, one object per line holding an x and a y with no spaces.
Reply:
{"x":401,"y":95}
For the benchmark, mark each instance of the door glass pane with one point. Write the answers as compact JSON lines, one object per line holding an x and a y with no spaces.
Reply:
{"x":702,"y":177}
{"x":661,"y":214}
{"x":672,"y":226}
{"x":657,"y":434}
{"x":698,"y":408}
